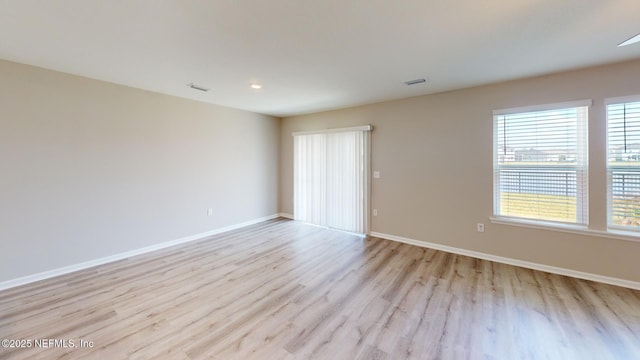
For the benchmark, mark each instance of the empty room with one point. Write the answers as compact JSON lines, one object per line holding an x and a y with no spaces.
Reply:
{"x":320,"y":180}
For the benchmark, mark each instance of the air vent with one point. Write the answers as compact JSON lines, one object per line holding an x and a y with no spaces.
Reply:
{"x":416,"y":81}
{"x":198,"y":87}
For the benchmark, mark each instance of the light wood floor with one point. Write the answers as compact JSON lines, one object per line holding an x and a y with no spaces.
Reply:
{"x":285,"y":290}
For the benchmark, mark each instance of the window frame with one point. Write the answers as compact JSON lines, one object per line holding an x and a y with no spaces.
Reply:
{"x":611,"y":227}
{"x":582,"y":222}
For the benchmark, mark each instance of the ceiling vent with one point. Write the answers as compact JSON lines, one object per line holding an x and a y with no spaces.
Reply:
{"x":198,"y":87}
{"x":416,"y":81}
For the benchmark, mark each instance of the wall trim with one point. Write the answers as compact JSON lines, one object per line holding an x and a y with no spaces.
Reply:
{"x":526,"y":264}
{"x":127,"y":254}
{"x":509,"y":261}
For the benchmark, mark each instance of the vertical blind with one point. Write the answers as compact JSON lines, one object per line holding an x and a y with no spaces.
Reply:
{"x":623,"y":164}
{"x":330,"y":179}
{"x":540,"y":163}
{"x":309,"y":190}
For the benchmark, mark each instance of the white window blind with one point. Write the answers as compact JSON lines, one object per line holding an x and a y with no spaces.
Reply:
{"x":623,"y":164}
{"x":310,"y":178}
{"x":331,"y":179}
{"x":540,"y":163}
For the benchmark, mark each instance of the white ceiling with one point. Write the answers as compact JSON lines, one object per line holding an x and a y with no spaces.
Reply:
{"x":314,"y":55}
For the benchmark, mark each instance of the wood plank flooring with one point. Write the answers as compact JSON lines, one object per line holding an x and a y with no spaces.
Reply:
{"x":285,"y":290}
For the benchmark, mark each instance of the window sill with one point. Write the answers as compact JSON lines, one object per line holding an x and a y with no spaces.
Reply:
{"x":568,"y":228}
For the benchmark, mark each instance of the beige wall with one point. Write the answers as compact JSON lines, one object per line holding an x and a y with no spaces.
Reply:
{"x":91,"y":169}
{"x":435,"y":157}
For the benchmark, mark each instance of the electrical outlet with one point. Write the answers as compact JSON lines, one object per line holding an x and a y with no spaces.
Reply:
{"x":480,"y":227}
{"x":209,"y":212}
{"x":375,"y":212}
{"x":376,"y":174}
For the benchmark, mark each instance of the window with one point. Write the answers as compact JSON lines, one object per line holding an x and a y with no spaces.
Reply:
{"x":331,"y":178}
{"x":540,"y":163}
{"x":623,"y":163}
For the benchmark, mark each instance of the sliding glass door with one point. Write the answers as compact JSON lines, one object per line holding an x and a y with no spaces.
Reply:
{"x":331,"y":178}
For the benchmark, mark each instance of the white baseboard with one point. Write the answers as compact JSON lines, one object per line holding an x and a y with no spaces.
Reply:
{"x":286,"y":215}
{"x":107,"y":259}
{"x":525,"y":264}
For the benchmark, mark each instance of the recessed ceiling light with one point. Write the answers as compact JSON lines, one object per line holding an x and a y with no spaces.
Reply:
{"x":416,"y":81}
{"x":256,"y":86}
{"x":633,"y":40}
{"x":198,"y":87}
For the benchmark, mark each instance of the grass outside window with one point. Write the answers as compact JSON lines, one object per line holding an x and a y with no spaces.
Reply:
{"x":538,"y":206}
